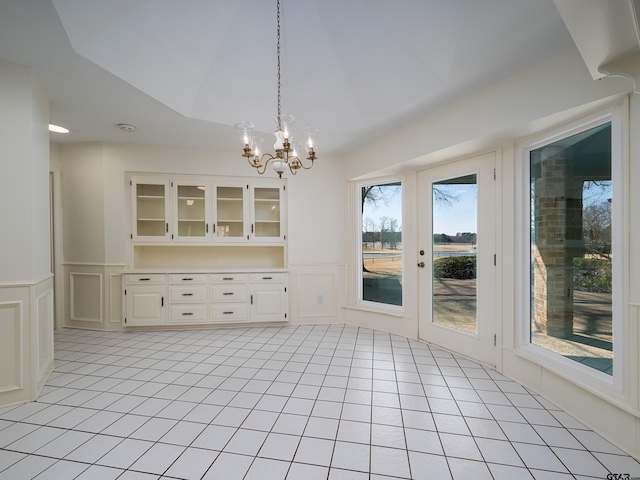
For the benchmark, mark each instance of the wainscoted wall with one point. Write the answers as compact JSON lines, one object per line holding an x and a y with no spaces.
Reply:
{"x":26,"y":341}
{"x":95,"y":296}
{"x":12,"y":341}
{"x":317,"y":293}
{"x":44,"y":317}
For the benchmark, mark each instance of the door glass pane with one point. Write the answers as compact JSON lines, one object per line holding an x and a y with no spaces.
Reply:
{"x":150,"y":210}
{"x":455,"y":213}
{"x":267,"y":212}
{"x":571,"y":261}
{"x":382,"y":243}
{"x":230,"y":211}
{"x":191,"y":212}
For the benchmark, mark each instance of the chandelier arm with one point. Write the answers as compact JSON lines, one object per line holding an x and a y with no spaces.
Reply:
{"x":301,"y":164}
{"x":261,"y":168}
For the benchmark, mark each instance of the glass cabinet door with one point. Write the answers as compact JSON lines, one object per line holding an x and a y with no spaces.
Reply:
{"x":191,"y":212}
{"x":267,"y":214}
{"x":151,"y":215}
{"x":230,"y":213}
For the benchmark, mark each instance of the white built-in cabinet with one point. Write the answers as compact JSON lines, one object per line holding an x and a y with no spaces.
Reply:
{"x":206,"y":250}
{"x":268,"y":304}
{"x":154,"y":299}
{"x":151,"y":210}
{"x":191,"y":211}
{"x":144,"y":299}
{"x":207,"y":210}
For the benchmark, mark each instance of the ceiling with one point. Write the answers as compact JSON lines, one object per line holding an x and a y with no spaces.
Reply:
{"x":183,"y":72}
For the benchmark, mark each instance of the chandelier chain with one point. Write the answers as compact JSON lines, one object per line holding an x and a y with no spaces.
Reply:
{"x":278,"y":54}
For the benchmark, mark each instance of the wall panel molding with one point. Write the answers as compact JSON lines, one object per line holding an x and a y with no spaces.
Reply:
{"x":115,"y":299}
{"x":86,"y":298}
{"x":44,"y":318}
{"x":317,"y":293}
{"x":11,"y":346}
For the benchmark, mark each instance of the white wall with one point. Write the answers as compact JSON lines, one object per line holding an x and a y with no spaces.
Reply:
{"x":26,"y":286}
{"x":83,"y":203}
{"x":24,"y":146}
{"x":97,"y":222}
{"x":543,"y":97}
{"x":317,"y":195}
{"x":40,"y":213}
{"x":530,"y":101}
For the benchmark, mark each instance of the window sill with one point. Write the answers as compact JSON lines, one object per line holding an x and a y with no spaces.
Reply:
{"x":381,"y":311}
{"x":597,"y":383}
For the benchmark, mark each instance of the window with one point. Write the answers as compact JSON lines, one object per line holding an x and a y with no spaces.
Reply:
{"x":381,"y":243}
{"x":572,"y":236}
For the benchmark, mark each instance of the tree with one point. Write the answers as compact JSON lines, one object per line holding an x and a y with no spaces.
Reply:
{"x":393,"y":237}
{"x":443,"y":198}
{"x":596,"y":228}
{"x":385,"y":227}
{"x":368,"y":229}
{"x":379,"y":193}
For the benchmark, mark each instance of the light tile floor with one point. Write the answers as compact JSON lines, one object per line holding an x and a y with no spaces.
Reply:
{"x":295,"y":402}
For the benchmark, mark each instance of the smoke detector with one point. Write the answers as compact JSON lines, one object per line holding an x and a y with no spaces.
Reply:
{"x":125,"y":127}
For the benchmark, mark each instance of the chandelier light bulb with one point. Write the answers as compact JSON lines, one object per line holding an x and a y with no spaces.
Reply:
{"x":257,"y":146}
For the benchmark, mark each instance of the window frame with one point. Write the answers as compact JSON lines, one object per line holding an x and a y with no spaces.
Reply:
{"x":358,"y":264}
{"x":611,"y":387}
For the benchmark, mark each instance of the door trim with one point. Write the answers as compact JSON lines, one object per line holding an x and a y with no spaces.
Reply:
{"x":481,"y":346}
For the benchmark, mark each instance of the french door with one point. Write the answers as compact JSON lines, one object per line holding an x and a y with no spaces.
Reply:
{"x":456,"y":262}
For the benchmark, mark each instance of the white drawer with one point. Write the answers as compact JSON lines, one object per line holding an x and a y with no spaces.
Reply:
{"x":228,"y":278}
{"x":188,"y":294}
{"x":188,"y":278}
{"x":228,"y":293}
{"x":268,"y":277}
{"x":234,"y":312}
{"x":188,"y":314}
{"x":145,"y":279}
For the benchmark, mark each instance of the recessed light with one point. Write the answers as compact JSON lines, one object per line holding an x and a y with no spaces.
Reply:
{"x":58,"y":128}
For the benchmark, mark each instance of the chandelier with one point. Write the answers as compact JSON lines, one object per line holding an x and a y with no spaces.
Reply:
{"x":286,"y":154}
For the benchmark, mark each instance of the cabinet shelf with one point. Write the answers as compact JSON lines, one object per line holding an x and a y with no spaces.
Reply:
{"x":150,"y":197}
{"x":150,"y":219}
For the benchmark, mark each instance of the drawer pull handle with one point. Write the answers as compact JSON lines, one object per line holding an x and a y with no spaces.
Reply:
{"x":187,"y":294}
{"x":227,"y":313}
{"x":144,"y":279}
{"x":227,"y":278}
{"x":187,"y":313}
{"x":186,"y":279}
{"x":267,"y":278}
{"x":227,"y":293}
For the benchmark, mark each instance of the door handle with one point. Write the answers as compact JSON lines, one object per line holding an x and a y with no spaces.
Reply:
{"x":421,"y":264}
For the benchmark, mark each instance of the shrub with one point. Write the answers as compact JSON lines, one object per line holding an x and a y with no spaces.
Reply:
{"x":461,"y":268}
{"x":592,"y":275}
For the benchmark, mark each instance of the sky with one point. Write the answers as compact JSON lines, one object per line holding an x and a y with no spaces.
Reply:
{"x":460,"y":217}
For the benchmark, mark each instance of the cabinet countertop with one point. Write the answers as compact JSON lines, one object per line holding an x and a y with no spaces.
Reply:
{"x":137,"y":271}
